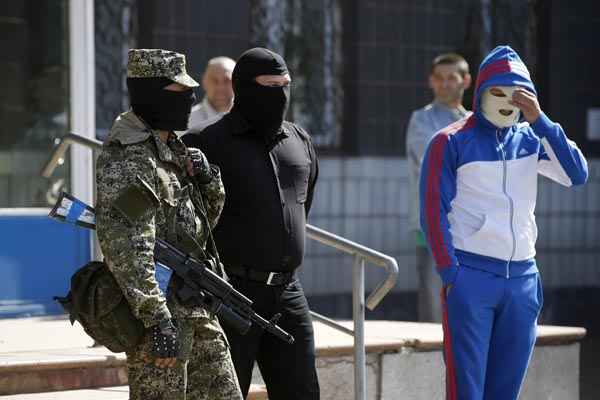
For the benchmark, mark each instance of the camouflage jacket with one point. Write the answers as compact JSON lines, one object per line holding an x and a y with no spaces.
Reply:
{"x":131,"y":152}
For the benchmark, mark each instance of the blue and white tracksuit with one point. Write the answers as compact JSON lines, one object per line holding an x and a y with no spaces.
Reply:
{"x":478,"y":191}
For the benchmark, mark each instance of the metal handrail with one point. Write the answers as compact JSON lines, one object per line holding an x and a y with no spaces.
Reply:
{"x":360,"y":252}
{"x":62,"y":144}
{"x":331,"y":323}
{"x":366,"y":253}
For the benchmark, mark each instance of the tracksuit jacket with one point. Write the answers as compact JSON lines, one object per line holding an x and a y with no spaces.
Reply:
{"x":478,"y":191}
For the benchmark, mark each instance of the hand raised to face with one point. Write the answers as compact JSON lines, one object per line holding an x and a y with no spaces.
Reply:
{"x":528,"y":103}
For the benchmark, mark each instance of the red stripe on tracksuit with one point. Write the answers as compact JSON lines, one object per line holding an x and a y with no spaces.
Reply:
{"x":432,"y":201}
{"x":435,"y":235}
{"x":448,"y":352}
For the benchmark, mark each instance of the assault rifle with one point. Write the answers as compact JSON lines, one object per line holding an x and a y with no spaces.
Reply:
{"x":201,"y":285}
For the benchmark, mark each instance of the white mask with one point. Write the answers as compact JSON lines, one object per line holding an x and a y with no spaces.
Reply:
{"x":496,"y":98}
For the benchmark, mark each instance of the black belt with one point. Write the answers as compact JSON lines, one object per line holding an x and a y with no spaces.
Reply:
{"x":268,"y":278}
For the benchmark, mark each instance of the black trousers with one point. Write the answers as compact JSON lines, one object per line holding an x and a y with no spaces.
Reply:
{"x":288,"y":370}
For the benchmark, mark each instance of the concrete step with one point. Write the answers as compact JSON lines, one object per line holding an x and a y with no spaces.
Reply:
{"x":257,"y":392}
{"x":63,"y":361}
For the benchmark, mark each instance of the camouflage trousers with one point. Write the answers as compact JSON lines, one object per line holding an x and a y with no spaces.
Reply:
{"x":203,"y":372}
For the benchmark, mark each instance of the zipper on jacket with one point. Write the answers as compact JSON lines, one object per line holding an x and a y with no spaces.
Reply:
{"x":510,"y":202}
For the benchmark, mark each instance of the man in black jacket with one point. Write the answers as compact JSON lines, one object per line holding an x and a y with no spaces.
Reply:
{"x":269,"y":169}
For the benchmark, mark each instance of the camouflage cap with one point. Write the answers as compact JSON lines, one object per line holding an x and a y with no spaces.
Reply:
{"x":158,"y":63}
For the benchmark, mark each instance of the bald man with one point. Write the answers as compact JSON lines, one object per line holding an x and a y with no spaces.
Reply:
{"x":218,"y":98}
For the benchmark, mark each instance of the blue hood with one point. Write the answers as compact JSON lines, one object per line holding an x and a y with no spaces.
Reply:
{"x":502,"y":67}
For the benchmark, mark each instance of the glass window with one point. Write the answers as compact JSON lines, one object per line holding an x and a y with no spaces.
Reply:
{"x":34,"y":100}
{"x":313,"y":51}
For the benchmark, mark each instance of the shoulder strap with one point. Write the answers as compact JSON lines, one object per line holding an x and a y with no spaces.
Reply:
{"x":218,"y":269}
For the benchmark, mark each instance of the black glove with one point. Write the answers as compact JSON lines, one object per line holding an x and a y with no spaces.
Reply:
{"x":200,"y":166}
{"x":164,"y":340}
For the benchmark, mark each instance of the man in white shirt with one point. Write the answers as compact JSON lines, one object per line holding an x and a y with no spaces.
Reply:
{"x":218,"y":98}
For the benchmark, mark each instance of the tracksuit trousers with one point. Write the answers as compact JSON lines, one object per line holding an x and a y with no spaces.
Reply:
{"x":489,"y":326}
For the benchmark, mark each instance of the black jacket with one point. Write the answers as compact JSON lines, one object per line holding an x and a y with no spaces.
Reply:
{"x":268,"y":192}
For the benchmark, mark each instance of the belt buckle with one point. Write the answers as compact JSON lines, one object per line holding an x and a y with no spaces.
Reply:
{"x":270,"y":278}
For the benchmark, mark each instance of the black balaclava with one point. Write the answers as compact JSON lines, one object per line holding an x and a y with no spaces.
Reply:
{"x":262,"y":106}
{"x":161,"y":109}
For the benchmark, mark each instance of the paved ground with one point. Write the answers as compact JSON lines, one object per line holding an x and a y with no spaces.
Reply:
{"x":29,"y":335}
{"x":42,"y":333}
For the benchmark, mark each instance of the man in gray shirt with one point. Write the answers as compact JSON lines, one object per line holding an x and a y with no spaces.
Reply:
{"x":448,"y":79}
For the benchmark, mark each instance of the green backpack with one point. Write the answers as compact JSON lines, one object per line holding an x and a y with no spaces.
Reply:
{"x":97,"y":303}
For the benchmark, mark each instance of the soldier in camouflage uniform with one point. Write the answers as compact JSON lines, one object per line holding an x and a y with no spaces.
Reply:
{"x":185,"y":352}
